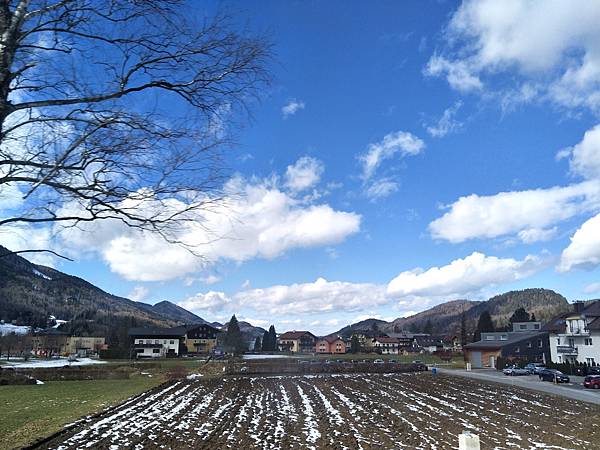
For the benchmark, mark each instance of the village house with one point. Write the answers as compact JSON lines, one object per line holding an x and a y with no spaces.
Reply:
{"x":575,"y":336}
{"x":53,"y":342}
{"x":297,"y":342}
{"x":201,"y":339}
{"x":386,"y":345}
{"x":157,"y":342}
{"x":526,"y":342}
{"x":331,"y":345}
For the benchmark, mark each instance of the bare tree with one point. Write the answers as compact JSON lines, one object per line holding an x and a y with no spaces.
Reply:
{"x":116,"y":109}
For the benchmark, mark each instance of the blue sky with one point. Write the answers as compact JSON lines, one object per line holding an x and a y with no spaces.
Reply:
{"x":407,"y":153}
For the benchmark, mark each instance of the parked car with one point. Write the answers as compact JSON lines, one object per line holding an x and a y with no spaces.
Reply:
{"x":379,"y":361}
{"x":582,"y":371}
{"x":534,"y":368}
{"x":515,"y":371}
{"x":553,"y":375}
{"x":592,"y":382}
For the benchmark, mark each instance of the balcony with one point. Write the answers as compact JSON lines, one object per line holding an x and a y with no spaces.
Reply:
{"x":577,"y":332}
{"x":566,"y":350}
{"x":147,"y":345}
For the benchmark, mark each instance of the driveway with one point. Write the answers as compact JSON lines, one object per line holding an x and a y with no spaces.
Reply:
{"x":573,"y":390}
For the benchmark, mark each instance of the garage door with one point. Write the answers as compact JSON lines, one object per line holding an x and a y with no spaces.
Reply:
{"x":476,"y":360}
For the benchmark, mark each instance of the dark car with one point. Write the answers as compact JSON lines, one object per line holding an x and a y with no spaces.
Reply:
{"x":592,"y":382}
{"x":553,"y":375}
{"x":534,"y":368}
{"x":585,"y":370}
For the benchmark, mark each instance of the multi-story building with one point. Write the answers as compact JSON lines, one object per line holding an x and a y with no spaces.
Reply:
{"x":387,"y":345}
{"x":201,"y":338}
{"x":297,"y":342}
{"x":575,"y":336}
{"x":157,"y":342}
{"x":527,"y":342}
{"x":331,"y":344}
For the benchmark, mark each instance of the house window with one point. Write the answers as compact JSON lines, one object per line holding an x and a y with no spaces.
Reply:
{"x":560,"y":359}
{"x":522,"y":327}
{"x":156,"y":341}
{"x":529,"y":344}
{"x":517,"y":349}
{"x":490,"y":338}
{"x":588,"y":341}
{"x":536,"y":326}
{"x":590,"y":361}
{"x":172,"y":342}
{"x":540,"y":343}
{"x":155,"y":350}
{"x":503,"y":337}
{"x":557,"y":341}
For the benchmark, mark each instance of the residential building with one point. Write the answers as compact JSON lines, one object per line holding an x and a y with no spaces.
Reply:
{"x":86,"y":345}
{"x":297,"y":342}
{"x":50,"y":342}
{"x":429,"y":344}
{"x":331,"y":344}
{"x":386,"y":345}
{"x":575,"y":336}
{"x":201,"y":338}
{"x":524,"y":345}
{"x":158,"y":342}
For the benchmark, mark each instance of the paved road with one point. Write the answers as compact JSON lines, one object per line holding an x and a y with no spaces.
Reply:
{"x":573,"y":390}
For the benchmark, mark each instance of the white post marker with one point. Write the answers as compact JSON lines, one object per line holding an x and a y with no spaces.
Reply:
{"x":468,"y":367}
{"x":468,"y":441}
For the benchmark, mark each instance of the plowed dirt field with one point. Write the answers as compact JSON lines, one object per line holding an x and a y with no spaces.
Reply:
{"x":394,"y":411}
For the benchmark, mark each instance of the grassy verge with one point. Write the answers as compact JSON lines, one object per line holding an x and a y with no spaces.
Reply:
{"x":32,"y":412}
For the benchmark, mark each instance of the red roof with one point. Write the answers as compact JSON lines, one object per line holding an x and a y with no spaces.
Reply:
{"x":293,"y":335}
{"x":387,"y":340}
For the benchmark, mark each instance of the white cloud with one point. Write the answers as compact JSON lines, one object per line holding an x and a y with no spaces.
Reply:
{"x":592,"y":288}
{"x":402,"y":142}
{"x":553,"y":46}
{"x":531,"y":235}
{"x":255,"y":220}
{"x":24,"y":237}
{"x":309,"y":298}
{"x":584,"y":250}
{"x":381,"y":188}
{"x":292,"y":108}
{"x":447,"y":123}
{"x":304,"y":174}
{"x":585,"y":156}
{"x":531,"y":212}
{"x":463,"y":276}
{"x":138,"y":293}
{"x":209,"y":302}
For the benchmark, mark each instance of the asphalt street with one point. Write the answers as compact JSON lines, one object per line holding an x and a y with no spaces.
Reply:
{"x":573,"y":390}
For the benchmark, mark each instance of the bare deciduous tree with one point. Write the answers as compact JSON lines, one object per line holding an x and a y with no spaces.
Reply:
{"x":116,"y":109}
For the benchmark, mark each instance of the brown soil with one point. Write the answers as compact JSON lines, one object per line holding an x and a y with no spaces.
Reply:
{"x":373,"y":411}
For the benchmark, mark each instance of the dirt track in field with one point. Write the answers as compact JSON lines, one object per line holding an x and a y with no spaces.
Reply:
{"x":336,"y":412}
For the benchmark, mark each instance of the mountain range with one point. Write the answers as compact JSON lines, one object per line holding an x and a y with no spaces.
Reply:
{"x":30,"y":293}
{"x":446,"y":317}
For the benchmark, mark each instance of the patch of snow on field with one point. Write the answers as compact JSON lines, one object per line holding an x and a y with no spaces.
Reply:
{"x":194,"y":376}
{"x":311,"y":429}
{"x":55,"y":362}
{"x":9,"y":328}
{"x":267,"y":357}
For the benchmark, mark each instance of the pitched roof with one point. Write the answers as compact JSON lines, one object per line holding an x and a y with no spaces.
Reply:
{"x":331,"y":339}
{"x":511,"y":338}
{"x":293,"y":335}
{"x":387,"y":340}
{"x":155,"y":332}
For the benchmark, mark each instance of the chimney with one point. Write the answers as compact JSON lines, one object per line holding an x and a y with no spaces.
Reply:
{"x":578,"y":306}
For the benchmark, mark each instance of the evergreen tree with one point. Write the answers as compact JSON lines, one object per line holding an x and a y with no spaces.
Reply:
{"x":257,"y":344}
{"x":265,"y":342}
{"x":233,"y":339}
{"x":374,"y":327}
{"x":532,"y":319}
{"x":484,"y":325}
{"x":272,"y":339}
{"x":354,"y":344}
{"x":428,"y":327}
{"x":520,"y":315}
{"x":463,"y":330}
